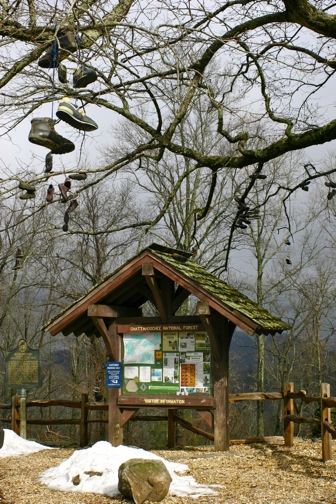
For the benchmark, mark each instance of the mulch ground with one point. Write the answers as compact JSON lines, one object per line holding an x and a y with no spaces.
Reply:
{"x":250,"y":474}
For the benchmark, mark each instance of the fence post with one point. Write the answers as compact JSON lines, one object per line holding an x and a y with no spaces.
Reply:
{"x":23,"y":414}
{"x":171,"y":428}
{"x":15,"y":414}
{"x":325,"y":417}
{"x":288,"y":410}
{"x":83,"y":427}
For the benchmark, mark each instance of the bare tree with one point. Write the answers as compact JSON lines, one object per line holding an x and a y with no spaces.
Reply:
{"x":157,"y":54}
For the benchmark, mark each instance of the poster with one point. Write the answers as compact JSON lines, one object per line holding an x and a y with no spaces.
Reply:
{"x":167,"y":362}
{"x":171,"y":363}
{"x":140,"y":348}
{"x":170,"y":342}
{"x":186,"y":342}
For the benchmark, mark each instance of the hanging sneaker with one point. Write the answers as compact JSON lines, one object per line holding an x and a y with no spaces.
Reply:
{"x":83,"y":76}
{"x":81,"y":175}
{"x":25,"y":186}
{"x":27,"y":195}
{"x":74,"y":116}
{"x":331,"y":194}
{"x":65,"y":227}
{"x":50,"y":193}
{"x":30,"y":190}
{"x":73,"y":205}
{"x":18,"y":259}
{"x":43,"y":133}
{"x":330,"y":184}
{"x":65,"y":45}
{"x":62,"y":74}
{"x":240,"y":225}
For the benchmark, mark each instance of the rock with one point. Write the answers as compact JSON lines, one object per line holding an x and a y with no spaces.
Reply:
{"x":143,"y":479}
{"x":76,"y":480}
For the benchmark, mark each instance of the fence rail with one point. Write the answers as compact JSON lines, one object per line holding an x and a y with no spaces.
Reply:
{"x":288,"y":396}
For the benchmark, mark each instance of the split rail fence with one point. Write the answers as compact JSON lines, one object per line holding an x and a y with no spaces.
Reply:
{"x":17,"y":417}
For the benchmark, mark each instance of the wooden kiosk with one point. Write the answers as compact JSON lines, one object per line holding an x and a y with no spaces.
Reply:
{"x":169,"y":361}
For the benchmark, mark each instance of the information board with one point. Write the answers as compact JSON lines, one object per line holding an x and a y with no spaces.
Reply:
{"x":166,"y":362}
{"x":23,"y":367}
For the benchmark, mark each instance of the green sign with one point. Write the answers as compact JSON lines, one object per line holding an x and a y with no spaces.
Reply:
{"x":167,"y":362}
{"x":23,"y":367}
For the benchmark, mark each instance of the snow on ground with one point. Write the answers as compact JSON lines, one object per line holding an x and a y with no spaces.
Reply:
{"x":104,"y":459}
{"x":15,"y":445}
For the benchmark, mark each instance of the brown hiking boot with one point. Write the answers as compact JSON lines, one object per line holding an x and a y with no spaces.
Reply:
{"x":73,"y":205}
{"x":43,"y":133}
{"x":65,"y":45}
{"x":64,"y":188}
{"x":50,"y":193}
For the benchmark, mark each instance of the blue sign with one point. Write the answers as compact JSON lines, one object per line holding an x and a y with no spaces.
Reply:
{"x":113,"y":374}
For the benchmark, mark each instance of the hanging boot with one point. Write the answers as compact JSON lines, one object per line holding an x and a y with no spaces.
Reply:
{"x":43,"y":133}
{"x":73,"y":205}
{"x":63,"y":46}
{"x":18,"y":259}
{"x":81,"y":175}
{"x":25,"y":186}
{"x":64,"y":189}
{"x":48,"y":163}
{"x":74,"y":116}
{"x":83,"y":76}
{"x":30,"y":191}
{"x":50,"y":193}
{"x":62,"y":74}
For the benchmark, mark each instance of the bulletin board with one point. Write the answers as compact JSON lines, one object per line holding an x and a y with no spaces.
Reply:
{"x":166,"y":362}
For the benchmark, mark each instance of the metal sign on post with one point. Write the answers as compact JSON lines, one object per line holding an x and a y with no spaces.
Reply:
{"x":113,"y":374}
{"x":23,"y":367}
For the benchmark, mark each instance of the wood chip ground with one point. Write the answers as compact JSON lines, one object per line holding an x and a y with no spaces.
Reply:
{"x":258,"y":473}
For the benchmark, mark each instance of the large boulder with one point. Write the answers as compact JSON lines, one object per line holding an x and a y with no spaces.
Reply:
{"x":143,"y":479}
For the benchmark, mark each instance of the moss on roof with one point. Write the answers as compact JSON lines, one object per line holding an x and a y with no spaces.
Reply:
{"x":220,"y":290}
{"x":212,"y":286}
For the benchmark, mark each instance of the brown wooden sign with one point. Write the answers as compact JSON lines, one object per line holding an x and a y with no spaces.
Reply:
{"x":133,"y":328}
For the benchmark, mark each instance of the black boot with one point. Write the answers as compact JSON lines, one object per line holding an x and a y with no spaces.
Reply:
{"x":65,"y":45}
{"x":43,"y":133}
{"x":48,"y":163}
{"x":83,"y":76}
{"x":62,"y":74}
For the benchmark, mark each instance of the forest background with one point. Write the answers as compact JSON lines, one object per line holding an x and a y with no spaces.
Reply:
{"x":216,"y":135}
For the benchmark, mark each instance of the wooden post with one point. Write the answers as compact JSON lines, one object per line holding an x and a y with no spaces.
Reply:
{"x":325,"y":417}
{"x":83,"y":427}
{"x":171,"y":428}
{"x":288,"y":410}
{"x":115,"y":431}
{"x":23,"y":414}
{"x":220,"y":331}
{"x":221,"y":395}
{"x":15,"y":415}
